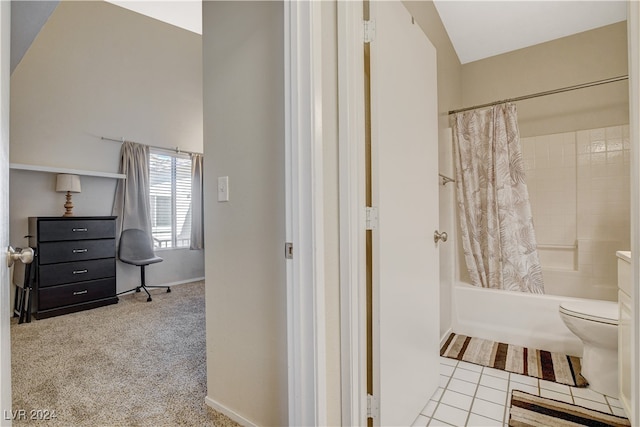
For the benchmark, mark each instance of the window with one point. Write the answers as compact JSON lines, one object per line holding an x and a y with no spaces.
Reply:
{"x":170,"y":199}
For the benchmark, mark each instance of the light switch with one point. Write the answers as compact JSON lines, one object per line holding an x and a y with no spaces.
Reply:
{"x":223,"y":188}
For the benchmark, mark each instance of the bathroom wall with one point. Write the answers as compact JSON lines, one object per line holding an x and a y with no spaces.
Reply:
{"x":592,"y":55}
{"x":579,"y":190}
{"x":588,"y":56}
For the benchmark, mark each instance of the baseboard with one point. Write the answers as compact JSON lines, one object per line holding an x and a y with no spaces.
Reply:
{"x":443,"y":338}
{"x":228,"y":412}
{"x":182,"y":282}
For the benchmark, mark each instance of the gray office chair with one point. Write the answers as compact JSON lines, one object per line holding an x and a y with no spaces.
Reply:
{"x":136,"y":249}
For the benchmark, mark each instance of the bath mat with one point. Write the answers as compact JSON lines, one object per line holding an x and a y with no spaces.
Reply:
{"x":541,"y":364}
{"x":531,"y":410}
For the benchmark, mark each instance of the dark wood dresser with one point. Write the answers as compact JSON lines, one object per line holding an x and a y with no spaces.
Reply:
{"x":75,"y":263}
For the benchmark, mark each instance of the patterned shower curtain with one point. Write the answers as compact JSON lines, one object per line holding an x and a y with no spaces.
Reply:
{"x":496,"y":224}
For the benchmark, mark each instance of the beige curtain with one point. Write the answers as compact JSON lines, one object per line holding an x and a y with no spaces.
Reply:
{"x":197,"y":212}
{"x":496,"y":224}
{"x":131,"y":203}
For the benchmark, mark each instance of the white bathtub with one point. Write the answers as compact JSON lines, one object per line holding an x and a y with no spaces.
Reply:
{"x":512,"y":317}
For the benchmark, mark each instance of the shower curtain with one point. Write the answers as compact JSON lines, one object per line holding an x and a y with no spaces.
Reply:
{"x":496,"y":224}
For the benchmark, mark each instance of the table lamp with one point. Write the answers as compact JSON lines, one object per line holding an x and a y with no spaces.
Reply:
{"x":70,"y":184}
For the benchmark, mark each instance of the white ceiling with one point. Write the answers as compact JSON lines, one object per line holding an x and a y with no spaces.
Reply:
{"x":480,"y":29}
{"x":185,"y":14}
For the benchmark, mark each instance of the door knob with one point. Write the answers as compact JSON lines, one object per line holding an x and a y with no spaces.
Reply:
{"x":437,"y":236}
{"x":24,"y":255}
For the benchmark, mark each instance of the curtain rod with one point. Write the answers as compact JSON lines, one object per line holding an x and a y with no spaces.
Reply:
{"x":176,"y":149}
{"x":545,"y":93}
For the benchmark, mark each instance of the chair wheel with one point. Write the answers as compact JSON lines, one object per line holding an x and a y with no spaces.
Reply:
{"x":137,"y":289}
{"x":168,"y":290}
{"x":149,"y":299}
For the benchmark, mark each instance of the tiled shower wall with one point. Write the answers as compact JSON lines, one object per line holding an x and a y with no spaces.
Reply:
{"x":579,"y":190}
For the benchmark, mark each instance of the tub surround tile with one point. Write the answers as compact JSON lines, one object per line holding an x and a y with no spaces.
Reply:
{"x":580,"y":176}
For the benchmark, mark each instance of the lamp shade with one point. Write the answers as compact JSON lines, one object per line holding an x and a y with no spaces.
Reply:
{"x":68,"y":182}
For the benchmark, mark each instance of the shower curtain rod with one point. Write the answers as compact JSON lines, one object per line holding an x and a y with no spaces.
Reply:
{"x":176,"y":149}
{"x":545,"y":93}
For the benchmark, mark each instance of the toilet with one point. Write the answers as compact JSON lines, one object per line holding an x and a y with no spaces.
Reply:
{"x":596,"y":324}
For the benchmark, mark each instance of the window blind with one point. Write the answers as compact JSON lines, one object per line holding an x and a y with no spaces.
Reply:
{"x":170,"y":199}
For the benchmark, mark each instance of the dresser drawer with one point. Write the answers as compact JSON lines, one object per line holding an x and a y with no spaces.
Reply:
{"x":68,"y":272}
{"x":74,"y":293}
{"x":53,"y":252}
{"x":72,"y":229}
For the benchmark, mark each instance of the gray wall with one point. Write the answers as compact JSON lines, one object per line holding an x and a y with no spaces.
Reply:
{"x":243,"y":54}
{"x":94,"y":70}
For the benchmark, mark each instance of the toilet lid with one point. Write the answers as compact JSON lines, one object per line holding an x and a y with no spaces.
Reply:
{"x":598,"y":311}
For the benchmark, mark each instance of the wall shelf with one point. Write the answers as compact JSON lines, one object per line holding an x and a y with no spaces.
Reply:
{"x":50,"y":169}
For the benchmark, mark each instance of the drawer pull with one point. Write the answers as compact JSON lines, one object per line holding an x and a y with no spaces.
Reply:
{"x":80,"y":271}
{"x":78,"y":229}
{"x":79,"y":251}
{"x":81,"y":292}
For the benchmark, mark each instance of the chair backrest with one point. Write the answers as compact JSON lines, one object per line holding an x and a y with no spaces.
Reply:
{"x":135,"y":244}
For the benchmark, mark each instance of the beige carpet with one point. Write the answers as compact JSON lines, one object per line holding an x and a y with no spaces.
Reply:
{"x":529,"y":410}
{"x":545,"y":365}
{"x":135,"y":363}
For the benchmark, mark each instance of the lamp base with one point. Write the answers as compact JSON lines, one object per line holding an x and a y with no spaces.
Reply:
{"x":68,"y":205}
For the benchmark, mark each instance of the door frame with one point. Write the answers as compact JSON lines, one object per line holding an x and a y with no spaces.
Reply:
{"x":633,"y":28}
{"x":304,"y":217}
{"x":352,"y":201}
{"x":304,"y":210}
{"x":5,"y":285}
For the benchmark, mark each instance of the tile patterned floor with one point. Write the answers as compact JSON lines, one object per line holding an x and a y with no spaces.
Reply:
{"x":475,"y":396}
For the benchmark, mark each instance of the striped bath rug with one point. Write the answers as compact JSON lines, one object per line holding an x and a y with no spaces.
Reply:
{"x":535,"y":411}
{"x":541,"y":364}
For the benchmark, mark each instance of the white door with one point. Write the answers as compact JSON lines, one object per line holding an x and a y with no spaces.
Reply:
{"x":5,"y":311}
{"x":405,"y":190}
